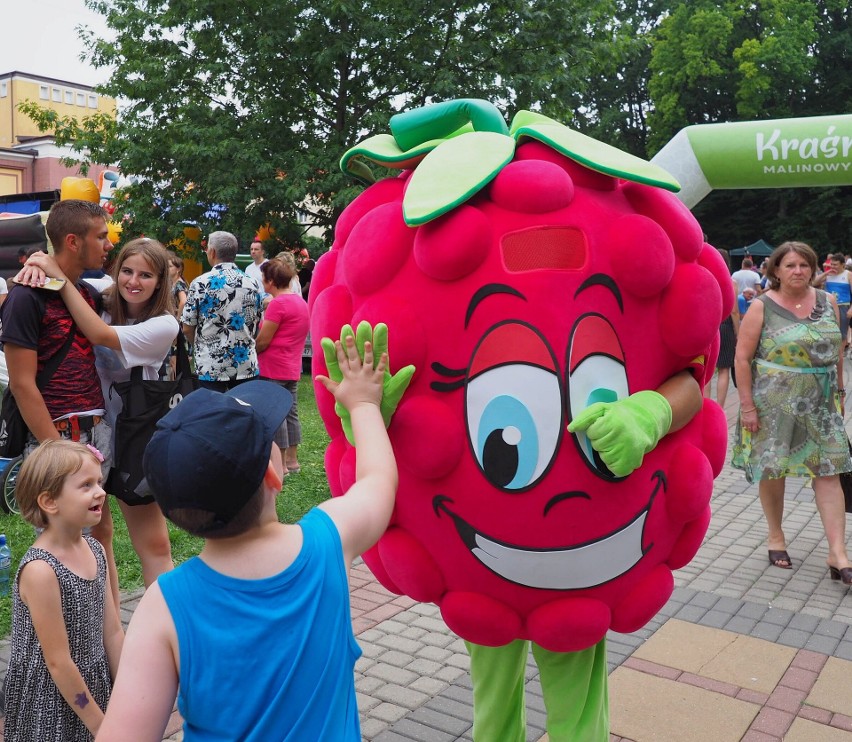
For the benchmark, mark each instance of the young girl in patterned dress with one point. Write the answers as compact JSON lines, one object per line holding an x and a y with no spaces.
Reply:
{"x":66,"y":637}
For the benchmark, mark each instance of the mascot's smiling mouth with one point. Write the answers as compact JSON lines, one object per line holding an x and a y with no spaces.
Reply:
{"x":565,"y":568}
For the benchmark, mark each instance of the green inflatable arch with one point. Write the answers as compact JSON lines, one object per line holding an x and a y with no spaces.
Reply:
{"x":780,"y":153}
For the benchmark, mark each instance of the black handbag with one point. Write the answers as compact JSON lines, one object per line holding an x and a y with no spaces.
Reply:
{"x":846,"y":483}
{"x":13,"y":429}
{"x":144,"y":402}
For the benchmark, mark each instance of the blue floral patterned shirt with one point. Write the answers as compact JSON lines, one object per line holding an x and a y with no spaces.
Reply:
{"x":224,"y":306}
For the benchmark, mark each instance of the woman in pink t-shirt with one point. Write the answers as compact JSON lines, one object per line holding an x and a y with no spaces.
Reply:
{"x":279,"y":349}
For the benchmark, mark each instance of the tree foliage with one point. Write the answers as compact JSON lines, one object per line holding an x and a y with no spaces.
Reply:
{"x":235,"y":115}
{"x":249,"y":106}
{"x":739,"y":60}
{"x":616,"y":103}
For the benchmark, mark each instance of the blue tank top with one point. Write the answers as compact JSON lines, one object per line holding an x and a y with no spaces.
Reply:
{"x":270,"y":659}
{"x":839,"y":286}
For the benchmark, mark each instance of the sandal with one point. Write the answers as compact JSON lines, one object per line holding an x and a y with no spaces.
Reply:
{"x":294,"y":469}
{"x":844,"y":574}
{"x":778,"y":557}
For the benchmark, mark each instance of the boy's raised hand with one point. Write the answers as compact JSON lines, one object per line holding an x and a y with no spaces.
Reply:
{"x":392,"y":386}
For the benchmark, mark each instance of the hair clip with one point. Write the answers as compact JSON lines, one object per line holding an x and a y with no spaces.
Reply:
{"x":97,"y":454}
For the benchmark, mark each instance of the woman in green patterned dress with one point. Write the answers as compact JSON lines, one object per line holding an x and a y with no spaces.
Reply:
{"x":788,"y":365}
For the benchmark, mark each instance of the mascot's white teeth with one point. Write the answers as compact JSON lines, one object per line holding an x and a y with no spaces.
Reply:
{"x":571,"y":568}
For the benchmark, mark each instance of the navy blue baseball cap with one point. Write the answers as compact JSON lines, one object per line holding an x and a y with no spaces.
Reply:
{"x":211,"y":451}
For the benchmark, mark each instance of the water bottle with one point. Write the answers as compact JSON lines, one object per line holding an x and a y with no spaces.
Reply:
{"x":5,"y":565}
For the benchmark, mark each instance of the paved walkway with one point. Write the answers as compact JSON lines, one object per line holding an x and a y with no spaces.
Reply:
{"x":741,"y":652}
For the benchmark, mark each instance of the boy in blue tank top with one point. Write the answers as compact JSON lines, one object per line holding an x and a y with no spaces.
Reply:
{"x":254,"y":635}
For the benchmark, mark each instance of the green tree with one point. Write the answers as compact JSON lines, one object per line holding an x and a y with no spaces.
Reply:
{"x":616,"y":103}
{"x":738,"y":60}
{"x":249,"y":106}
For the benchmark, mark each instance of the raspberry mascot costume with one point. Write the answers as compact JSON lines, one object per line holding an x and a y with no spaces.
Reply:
{"x":556,"y":458}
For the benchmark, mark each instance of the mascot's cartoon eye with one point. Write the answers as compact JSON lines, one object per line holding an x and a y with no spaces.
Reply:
{"x":596,"y":373}
{"x":513,"y":403}
{"x":514,"y":422}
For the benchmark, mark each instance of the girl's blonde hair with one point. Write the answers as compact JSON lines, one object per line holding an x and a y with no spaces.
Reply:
{"x":288,"y":260}
{"x":45,"y":470}
{"x":161,"y":301}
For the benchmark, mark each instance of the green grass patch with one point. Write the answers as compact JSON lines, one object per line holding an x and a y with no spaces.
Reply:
{"x":299,"y":494}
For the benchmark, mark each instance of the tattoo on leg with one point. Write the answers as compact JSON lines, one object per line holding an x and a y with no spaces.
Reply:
{"x":81,"y":700}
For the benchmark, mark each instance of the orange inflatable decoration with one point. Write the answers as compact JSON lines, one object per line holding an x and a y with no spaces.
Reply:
{"x":265,"y":233}
{"x":83,"y":189}
{"x":114,"y":233}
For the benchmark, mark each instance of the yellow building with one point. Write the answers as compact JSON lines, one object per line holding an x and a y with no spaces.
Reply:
{"x":21,"y":143}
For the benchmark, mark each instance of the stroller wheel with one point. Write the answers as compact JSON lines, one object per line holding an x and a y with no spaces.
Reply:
{"x":9,"y":479}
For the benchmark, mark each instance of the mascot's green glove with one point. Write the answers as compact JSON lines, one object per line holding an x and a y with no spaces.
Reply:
{"x":623,"y":432}
{"x":394,"y":386}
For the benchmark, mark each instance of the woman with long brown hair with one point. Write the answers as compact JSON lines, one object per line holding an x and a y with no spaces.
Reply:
{"x":136,"y":328}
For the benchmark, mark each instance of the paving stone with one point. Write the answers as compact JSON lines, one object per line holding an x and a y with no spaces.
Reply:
{"x":391,"y":736}
{"x":430,"y":686}
{"x":691,"y":613}
{"x":823,"y":644}
{"x":445,"y":722}
{"x":371,"y":635}
{"x":740,"y":625}
{"x":398,"y":695}
{"x":371,"y":727}
{"x":832,"y":628}
{"x":778,"y":616}
{"x":368,"y":649}
{"x":460,"y":694}
{"x":715,"y":619}
{"x":728,"y":605}
{"x":450,"y":674}
{"x":365,"y":702}
{"x":393,"y":626}
{"x":426,"y":609}
{"x":391,"y":674}
{"x":793,"y":638}
{"x":844,"y":651}
{"x":363,"y":664}
{"x":767,"y":631}
{"x":462,"y":661}
{"x":804,"y":622}
{"x":433,"y":653}
{"x":408,"y":646}
{"x":388,"y":712}
{"x":445,"y":705}
{"x":424,"y":667}
{"x":420,"y":732}
{"x":429,"y":623}
{"x":395,"y":658}
{"x":367,"y":685}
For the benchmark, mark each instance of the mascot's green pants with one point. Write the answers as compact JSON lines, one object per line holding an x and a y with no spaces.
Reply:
{"x":574,"y":685}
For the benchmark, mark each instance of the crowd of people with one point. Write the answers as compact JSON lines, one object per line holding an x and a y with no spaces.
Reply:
{"x":263,"y":599}
{"x":97,"y":330}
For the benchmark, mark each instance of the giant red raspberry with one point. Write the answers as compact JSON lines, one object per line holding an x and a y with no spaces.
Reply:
{"x":527,"y":275}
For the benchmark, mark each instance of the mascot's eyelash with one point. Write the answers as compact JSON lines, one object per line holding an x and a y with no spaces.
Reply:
{"x":447,"y":386}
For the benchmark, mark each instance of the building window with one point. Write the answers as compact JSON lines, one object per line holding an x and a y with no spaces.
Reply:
{"x":43,"y":92}
{"x":69,"y":97}
{"x":57,"y":94}
{"x":93,"y":101}
{"x":81,"y":99}
{"x":4,"y":89}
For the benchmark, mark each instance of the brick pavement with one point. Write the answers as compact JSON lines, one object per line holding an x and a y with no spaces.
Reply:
{"x":742,"y":652}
